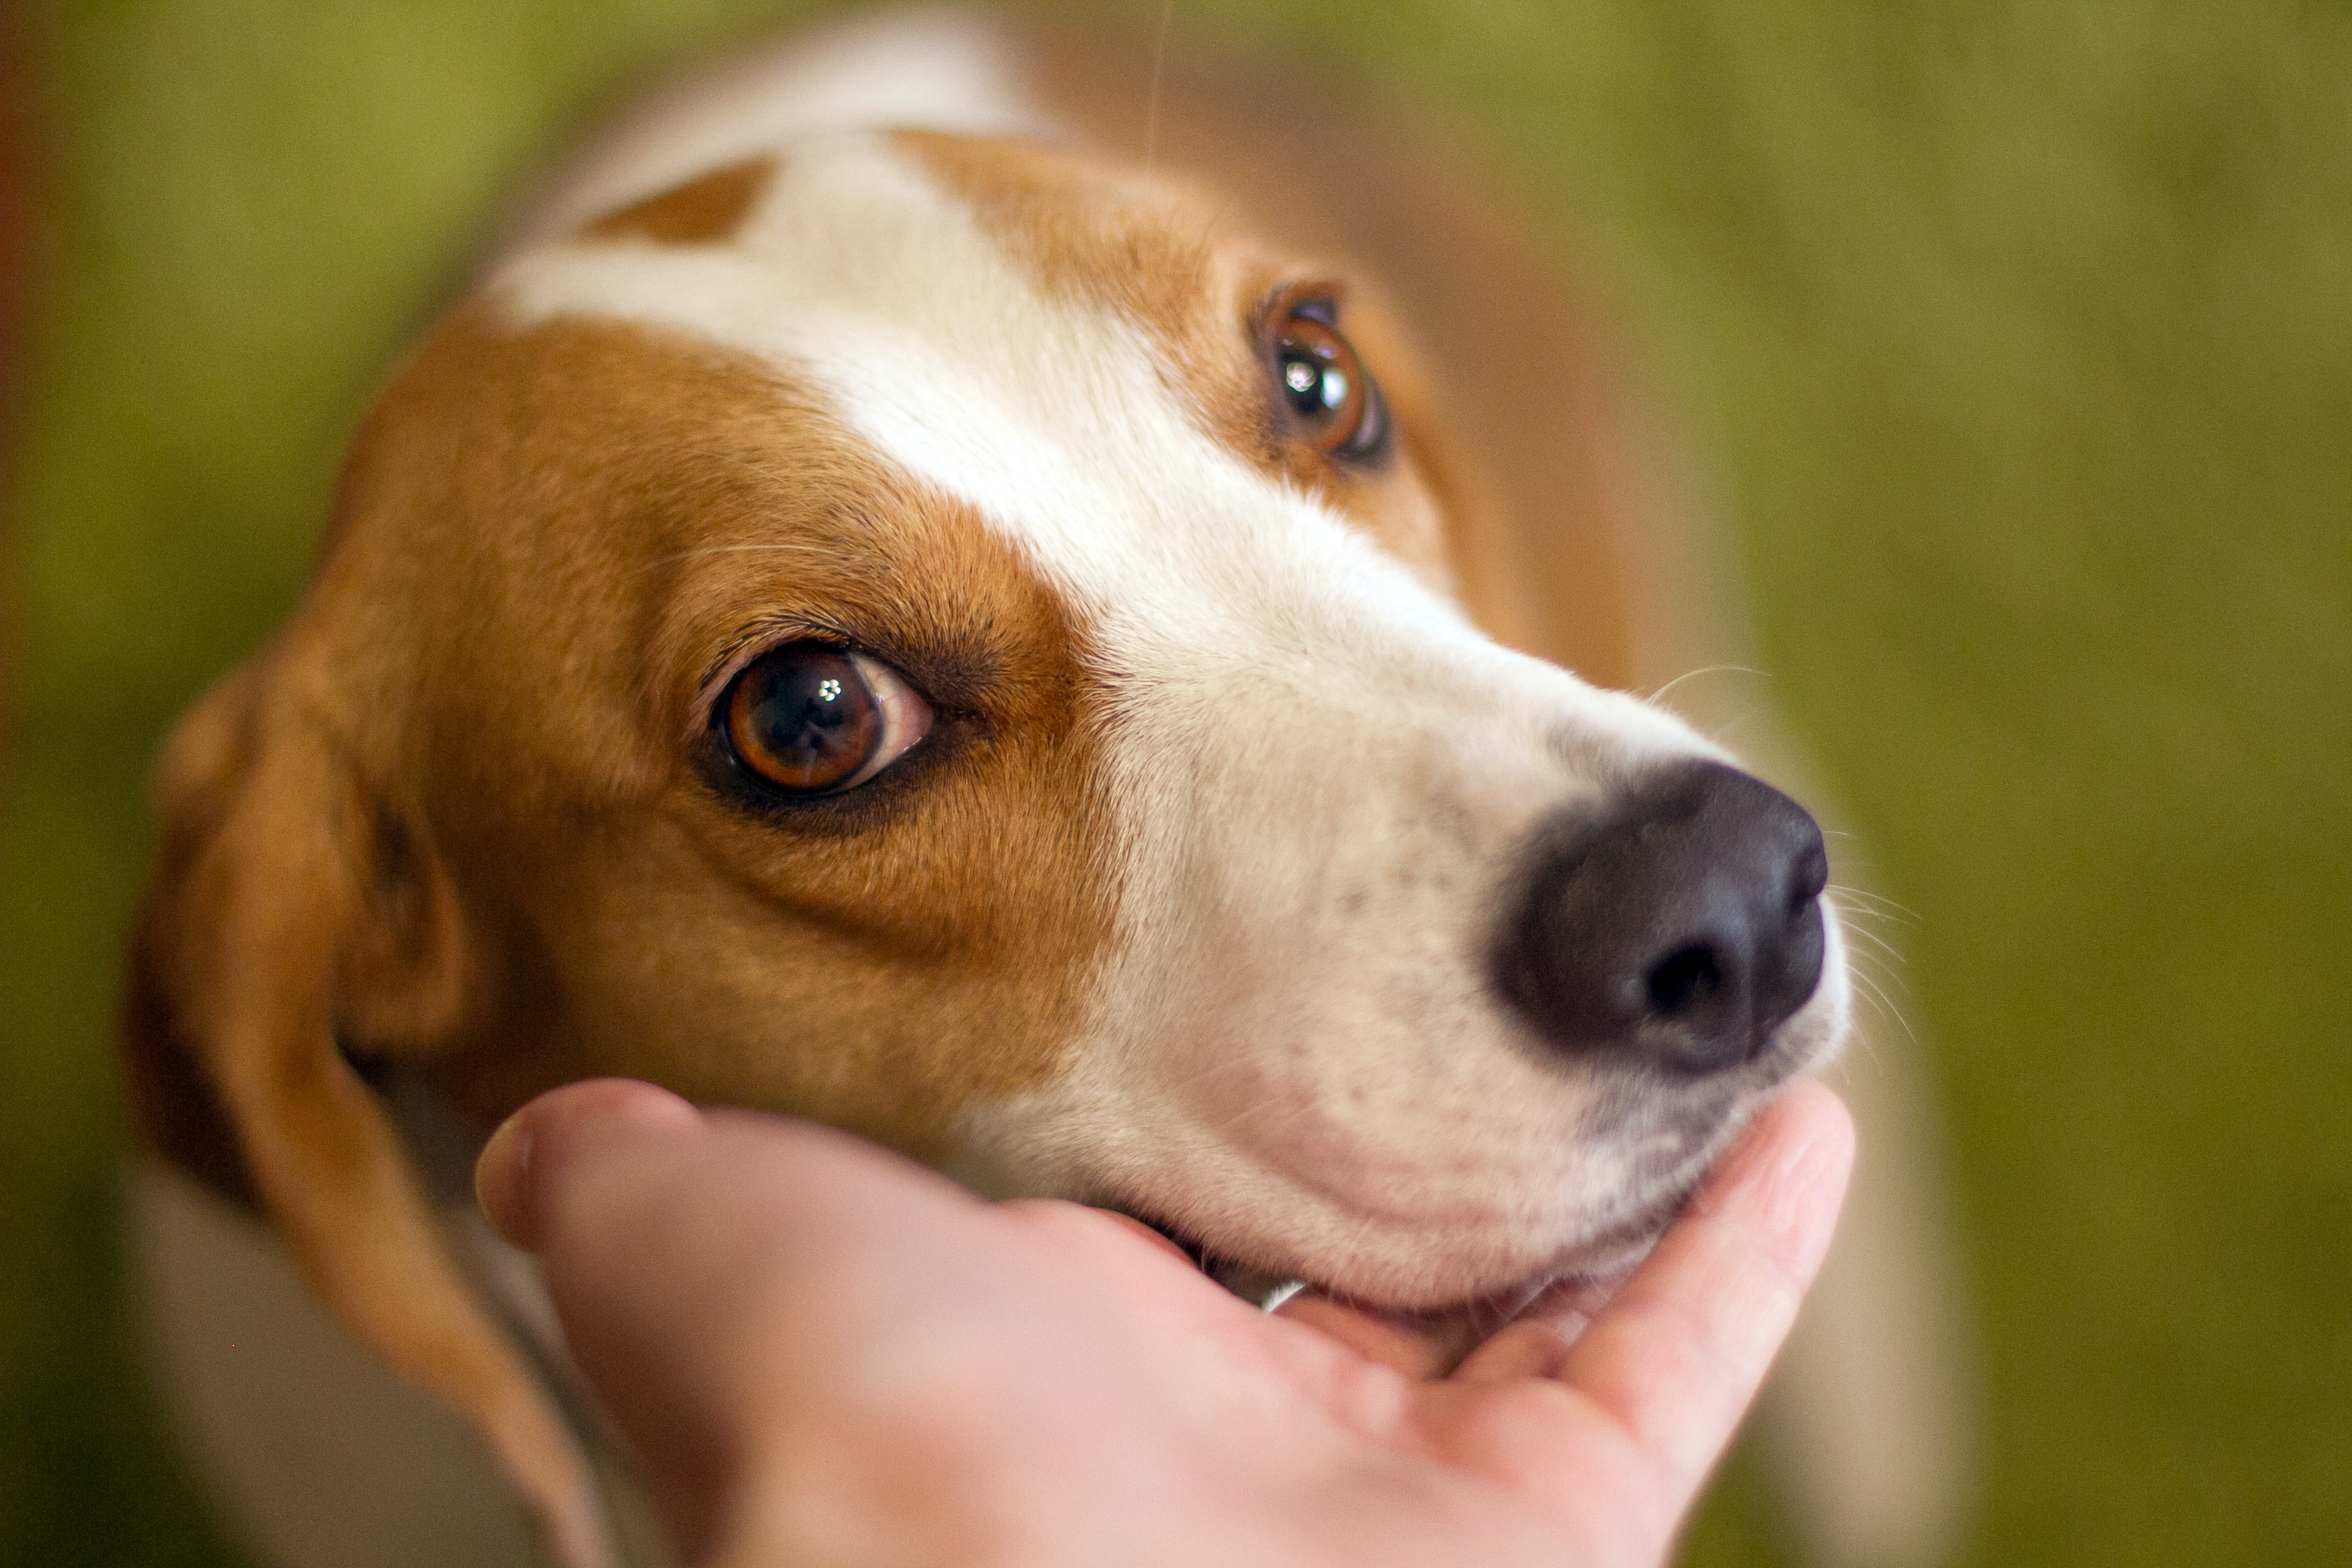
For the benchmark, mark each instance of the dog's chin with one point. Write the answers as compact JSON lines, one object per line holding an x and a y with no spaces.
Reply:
{"x":1582,"y":1269}
{"x":1664,"y":1147}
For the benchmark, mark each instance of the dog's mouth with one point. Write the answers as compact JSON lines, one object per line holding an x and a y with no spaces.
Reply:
{"x":1581,"y":1277}
{"x":1651,"y":1149}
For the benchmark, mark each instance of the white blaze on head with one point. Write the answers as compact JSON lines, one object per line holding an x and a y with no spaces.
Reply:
{"x":1318,"y":771}
{"x":933,"y":69}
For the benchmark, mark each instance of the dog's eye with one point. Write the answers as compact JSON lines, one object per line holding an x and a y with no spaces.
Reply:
{"x":810,"y":719}
{"x":1326,"y":387}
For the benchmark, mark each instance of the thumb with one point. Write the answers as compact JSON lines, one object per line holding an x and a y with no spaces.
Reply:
{"x":680,"y":1251}
{"x":536,"y":1149}
{"x":592,"y":1177}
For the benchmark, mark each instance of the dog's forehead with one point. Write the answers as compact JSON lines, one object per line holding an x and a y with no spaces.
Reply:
{"x":1056,"y":347}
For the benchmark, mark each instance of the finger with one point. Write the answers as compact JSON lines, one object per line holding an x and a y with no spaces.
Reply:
{"x":678,"y":1248}
{"x":1390,"y":1340}
{"x":1537,"y":1343}
{"x":1678,"y":1355}
{"x":538,"y":1142}
{"x":1063,"y":1212}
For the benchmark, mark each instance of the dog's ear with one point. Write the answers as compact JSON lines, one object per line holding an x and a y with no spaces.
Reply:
{"x":292,"y":900}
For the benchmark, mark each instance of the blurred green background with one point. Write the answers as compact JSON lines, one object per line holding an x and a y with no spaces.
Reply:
{"x":2018,"y":340}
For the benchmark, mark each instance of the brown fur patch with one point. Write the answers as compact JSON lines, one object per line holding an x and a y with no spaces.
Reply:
{"x":703,"y":211}
{"x":627,"y":510}
{"x":1164,"y":256}
{"x":480,"y":831}
{"x":231,"y":1042}
{"x":1551,"y":509}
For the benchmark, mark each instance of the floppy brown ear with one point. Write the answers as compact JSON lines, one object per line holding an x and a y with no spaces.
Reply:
{"x":288,"y":896}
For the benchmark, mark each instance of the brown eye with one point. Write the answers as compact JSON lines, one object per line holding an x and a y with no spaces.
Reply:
{"x":1326,"y":386}
{"x":810,"y":719}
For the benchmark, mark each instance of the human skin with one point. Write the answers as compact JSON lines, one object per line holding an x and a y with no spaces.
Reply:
{"x":826,"y":1354}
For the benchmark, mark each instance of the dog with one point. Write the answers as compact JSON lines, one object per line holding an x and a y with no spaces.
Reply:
{"x":1084,"y":640}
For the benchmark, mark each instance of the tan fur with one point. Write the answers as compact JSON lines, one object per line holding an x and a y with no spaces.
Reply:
{"x":446,"y":828}
{"x":700,"y":212}
{"x":1547,"y":497}
{"x":1172,"y":259}
{"x":266,"y":890}
{"x":938,"y":960}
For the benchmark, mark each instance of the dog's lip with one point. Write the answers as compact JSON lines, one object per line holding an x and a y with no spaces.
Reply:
{"x":1581,"y":1276}
{"x":1576,"y":1278}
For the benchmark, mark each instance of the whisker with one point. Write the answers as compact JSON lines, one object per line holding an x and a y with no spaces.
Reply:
{"x":1876,"y":904}
{"x":1893,"y":954}
{"x":1660,"y":694}
{"x":1151,"y":102}
{"x":1736,"y":721}
{"x":1879,"y":950}
{"x":1881,"y":1002}
{"x":1851,"y":907}
{"x":752,"y":550}
{"x":1887,"y":961}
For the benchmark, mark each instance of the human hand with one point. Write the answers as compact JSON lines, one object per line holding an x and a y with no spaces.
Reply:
{"x":824,"y":1354}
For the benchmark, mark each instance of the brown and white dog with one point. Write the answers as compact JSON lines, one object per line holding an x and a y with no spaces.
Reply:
{"x":893,"y":602}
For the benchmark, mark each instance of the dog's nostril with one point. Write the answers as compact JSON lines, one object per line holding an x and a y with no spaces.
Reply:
{"x":1813,"y":875}
{"x":1685,"y":982}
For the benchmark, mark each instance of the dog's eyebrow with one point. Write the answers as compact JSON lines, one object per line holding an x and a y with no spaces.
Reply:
{"x":764,"y":629}
{"x":953,"y":666}
{"x":1294,"y":289}
{"x":745,"y":549}
{"x":758,"y":469}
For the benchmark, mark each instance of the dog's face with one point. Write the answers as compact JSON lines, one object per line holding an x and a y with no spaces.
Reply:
{"x":943,"y":639}
{"x":934,"y":636}
{"x":930,"y":637}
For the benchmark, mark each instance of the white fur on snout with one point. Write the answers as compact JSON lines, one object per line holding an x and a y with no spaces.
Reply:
{"x":1320,"y":773}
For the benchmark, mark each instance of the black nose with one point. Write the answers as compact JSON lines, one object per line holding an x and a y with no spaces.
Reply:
{"x":1678,"y":925}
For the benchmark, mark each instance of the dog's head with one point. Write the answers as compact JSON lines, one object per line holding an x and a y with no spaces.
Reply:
{"x":946,"y":638}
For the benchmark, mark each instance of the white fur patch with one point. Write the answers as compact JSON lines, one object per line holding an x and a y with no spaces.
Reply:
{"x":1319,"y":771}
{"x":933,"y":70}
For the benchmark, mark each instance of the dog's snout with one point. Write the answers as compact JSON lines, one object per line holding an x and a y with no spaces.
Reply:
{"x":1679,"y":926}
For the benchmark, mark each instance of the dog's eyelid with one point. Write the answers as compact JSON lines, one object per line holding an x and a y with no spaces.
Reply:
{"x":952,"y":675}
{"x":763,"y":636}
{"x":1323,"y":300}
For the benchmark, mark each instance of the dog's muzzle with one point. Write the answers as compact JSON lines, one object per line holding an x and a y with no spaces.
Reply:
{"x":1675,"y":926}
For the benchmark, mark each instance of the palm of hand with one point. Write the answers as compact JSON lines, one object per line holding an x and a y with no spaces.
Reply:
{"x":827,"y":1355}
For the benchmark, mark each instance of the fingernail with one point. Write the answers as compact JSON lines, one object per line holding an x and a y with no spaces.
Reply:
{"x":502,"y":1181}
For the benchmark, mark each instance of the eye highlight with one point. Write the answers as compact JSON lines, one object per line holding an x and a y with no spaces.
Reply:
{"x":1324,"y":386}
{"x":809,"y":719}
